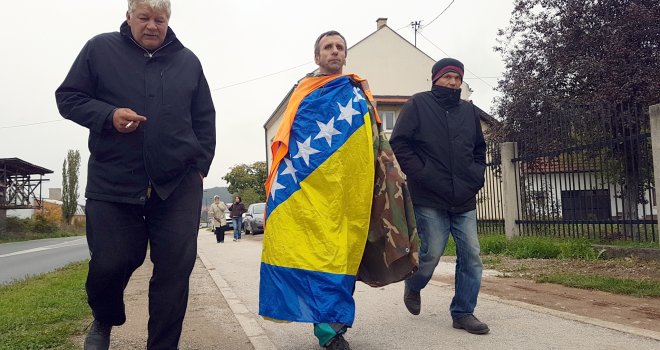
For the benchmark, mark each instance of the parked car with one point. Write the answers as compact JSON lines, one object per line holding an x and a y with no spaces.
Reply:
{"x":253,"y":220}
{"x":230,"y":224}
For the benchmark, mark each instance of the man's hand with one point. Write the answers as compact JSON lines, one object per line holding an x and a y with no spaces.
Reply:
{"x":125,"y":120}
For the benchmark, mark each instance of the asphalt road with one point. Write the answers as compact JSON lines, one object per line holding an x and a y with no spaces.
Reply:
{"x":22,"y":259}
{"x":382,"y":321}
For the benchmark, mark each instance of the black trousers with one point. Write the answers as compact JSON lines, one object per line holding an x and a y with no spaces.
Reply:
{"x":118,"y":234}
{"x":220,"y":233}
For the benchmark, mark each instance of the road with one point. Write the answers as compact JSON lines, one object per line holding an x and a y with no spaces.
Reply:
{"x":23,"y":259}
{"x":382,"y":321}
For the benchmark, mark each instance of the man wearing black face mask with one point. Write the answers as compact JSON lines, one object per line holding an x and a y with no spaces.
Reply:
{"x":439,"y":143}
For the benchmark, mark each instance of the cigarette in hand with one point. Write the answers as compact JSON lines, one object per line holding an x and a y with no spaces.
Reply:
{"x":129,"y":124}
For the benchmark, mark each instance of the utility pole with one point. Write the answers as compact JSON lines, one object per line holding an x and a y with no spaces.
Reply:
{"x":416,"y":25}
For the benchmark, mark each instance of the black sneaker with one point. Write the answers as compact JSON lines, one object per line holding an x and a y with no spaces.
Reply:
{"x":471,"y":324}
{"x":98,"y":337}
{"x":412,"y":300}
{"x":338,"y":343}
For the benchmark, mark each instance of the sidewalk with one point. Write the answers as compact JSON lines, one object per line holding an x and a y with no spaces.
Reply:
{"x":209,"y":324}
{"x":223,"y":303}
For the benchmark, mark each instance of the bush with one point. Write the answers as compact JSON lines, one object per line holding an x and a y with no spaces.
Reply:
{"x":18,"y":225}
{"x":37,"y":228}
{"x":39,"y":224}
{"x":43,"y":225}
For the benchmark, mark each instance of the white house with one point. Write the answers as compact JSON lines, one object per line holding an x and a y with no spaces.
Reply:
{"x":395,"y":70}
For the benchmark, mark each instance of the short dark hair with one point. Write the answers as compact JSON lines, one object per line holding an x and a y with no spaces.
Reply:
{"x":317,"y":48}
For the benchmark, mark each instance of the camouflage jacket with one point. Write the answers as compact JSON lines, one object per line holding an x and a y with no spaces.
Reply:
{"x":391,"y":253}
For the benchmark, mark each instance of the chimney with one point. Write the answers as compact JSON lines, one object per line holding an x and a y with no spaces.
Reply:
{"x":55,"y":193}
{"x":381,"y":22}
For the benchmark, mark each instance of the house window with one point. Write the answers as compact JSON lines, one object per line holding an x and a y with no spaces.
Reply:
{"x":585,"y":204}
{"x":388,"y":118}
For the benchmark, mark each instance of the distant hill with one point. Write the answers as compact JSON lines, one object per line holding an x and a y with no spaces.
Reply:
{"x":209,"y":193}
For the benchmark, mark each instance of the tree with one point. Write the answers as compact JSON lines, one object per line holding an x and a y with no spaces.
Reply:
{"x":592,"y":63}
{"x":579,"y":50}
{"x":70,"y":171}
{"x":561,"y":53}
{"x":248,"y":181}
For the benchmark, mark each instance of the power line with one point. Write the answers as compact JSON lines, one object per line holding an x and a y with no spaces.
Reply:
{"x":436,"y":17}
{"x":30,"y":124}
{"x":260,"y":77}
{"x":216,"y":89}
{"x":448,"y":55}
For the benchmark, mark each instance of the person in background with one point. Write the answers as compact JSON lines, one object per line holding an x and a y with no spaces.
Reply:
{"x":440,"y":146}
{"x":236,"y":210}
{"x":217,"y":213}
{"x":147,"y":105}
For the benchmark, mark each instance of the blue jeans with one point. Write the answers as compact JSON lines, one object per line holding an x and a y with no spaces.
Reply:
{"x":237,"y":227}
{"x":434,"y":226}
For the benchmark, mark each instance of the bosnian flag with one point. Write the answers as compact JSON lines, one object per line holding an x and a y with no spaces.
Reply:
{"x":320,"y":189}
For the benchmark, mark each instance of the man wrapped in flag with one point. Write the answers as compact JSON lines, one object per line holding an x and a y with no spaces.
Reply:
{"x":320,"y":189}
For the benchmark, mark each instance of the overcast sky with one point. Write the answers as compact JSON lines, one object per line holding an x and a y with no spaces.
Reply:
{"x":252,"y":52}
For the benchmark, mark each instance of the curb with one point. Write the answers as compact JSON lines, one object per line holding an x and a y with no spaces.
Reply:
{"x":246,"y":319}
{"x":565,"y":315}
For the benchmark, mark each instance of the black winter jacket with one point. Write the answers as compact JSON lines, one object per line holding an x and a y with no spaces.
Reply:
{"x":168,"y":87}
{"x":236,"y":210}
{"x":442,"y":152}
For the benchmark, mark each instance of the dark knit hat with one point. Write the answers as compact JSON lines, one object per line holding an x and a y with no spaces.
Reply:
{"x":444,"y":66}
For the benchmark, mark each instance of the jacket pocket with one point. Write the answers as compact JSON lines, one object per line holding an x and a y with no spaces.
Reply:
{"x":173,"y":145}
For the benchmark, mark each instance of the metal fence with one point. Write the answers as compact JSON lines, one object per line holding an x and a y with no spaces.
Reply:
{"x":587,"y":172}
{"x":490,"y":215}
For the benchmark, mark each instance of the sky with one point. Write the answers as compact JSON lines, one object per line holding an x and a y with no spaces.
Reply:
{"x":252,"y":52}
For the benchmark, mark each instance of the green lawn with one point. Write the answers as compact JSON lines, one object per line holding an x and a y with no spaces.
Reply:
{"x":607,"y":284}
{"x":44,"y":312}
{"x":531,"y":247}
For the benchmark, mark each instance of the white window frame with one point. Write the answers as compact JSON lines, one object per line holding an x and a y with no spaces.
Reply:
{"x":384,"y":115}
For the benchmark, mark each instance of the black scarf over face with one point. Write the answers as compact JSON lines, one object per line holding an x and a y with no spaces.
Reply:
{"x":447,"y":97}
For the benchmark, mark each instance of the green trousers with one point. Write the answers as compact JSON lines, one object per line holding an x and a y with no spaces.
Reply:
{"x":326,"y":331}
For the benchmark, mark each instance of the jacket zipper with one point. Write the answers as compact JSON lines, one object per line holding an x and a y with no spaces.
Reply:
{"x":150,"y":54}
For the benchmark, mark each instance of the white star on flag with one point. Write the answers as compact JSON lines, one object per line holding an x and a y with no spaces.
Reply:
{"x":327,"y":131}
{"x":290,"y":170}
{"x":275,"y":186}
{"x":356,"y":92}
{"x":305,"y":150}
{"x":347,"y":112}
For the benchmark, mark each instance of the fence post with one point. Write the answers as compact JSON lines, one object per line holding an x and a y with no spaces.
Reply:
{"x":3,"y":221}
{"x":654,"y":113}
{"x":509,"y":151}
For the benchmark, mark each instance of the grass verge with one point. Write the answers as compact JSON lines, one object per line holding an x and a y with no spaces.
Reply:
{"x":28,"y":236}
{"x":43,"y":312}
{"x":527,"y":250}
{"x":607,"y":284}
{"x":531,"y":247}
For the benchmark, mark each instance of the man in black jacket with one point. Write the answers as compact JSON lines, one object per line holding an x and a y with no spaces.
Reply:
{"x":439,"y":143}
{"x":147,"y":105}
